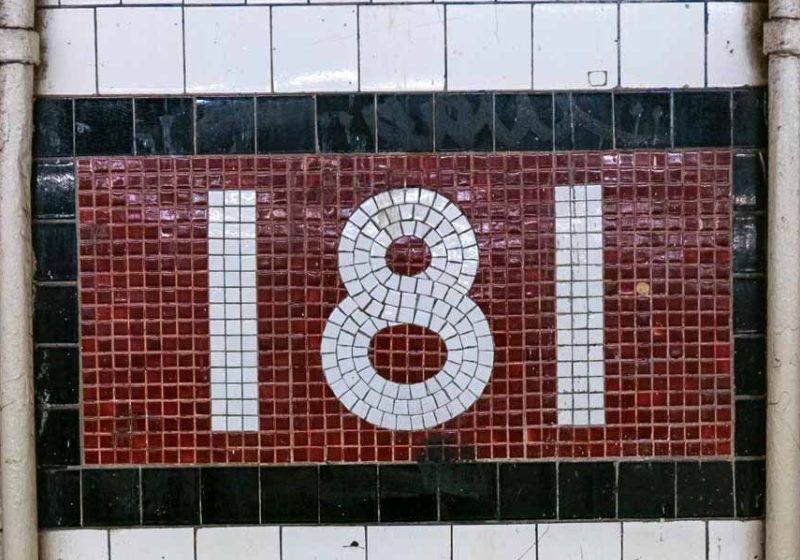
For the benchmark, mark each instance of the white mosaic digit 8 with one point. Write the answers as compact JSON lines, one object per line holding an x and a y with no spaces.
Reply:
{"x":435,"y":298}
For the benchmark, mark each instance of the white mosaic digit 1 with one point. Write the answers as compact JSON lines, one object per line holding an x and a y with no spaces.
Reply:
{"x":232,"y":309}
{"x":435,"y":298}
{"x":579,"y":305}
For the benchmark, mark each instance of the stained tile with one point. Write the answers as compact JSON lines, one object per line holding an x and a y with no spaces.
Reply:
{"x":289,"y":495}
{"x":751,"y":428}
{"x":750,"y":488}
{"x":702,"y":118}
{"x":750,"y":365}
{"x":749,"y":181}
{"x":524,"y":122}
{"x":55,"y":247}
{"x":749,"y":302}
{"x":58,"y":437}
{"x":348,"y":493}
{"x":58,"y":494}
{"x":56,"y":372}
{"x":52,"y":127}
{"x":225,"y":125}
{"x":405,"y":123}
{"x":750,"y":118}
{"x":407,"y":493}
{"x":734,"y":539}
{"x":171,"y":496}
{"x":53,"y":186}
{"x":749,"y":243}
{"x":642,"y":120}
{"x":467,"y":491}
{"x":646,"y":490}
{"x":164,"y":126}
{"x":592,"y":121}
{"x":55,"y":317}
{"x":110,"y":497}
{"x":464,"y":122}
{"x":229,"y":495}
{"x":664,"y":541}
{"x":103,"y":126}
{"x":705,"y":489}
{"x":346,"y":123}
{"x":285,"y":124}
{"x":520,"y":499}
{"x":587,"y":490}
{"x":331,"y":543}
{"x":735,"y":55}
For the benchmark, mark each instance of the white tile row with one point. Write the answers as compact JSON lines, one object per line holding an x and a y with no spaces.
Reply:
{"x":687,"y":540}
{"x":403,"y":47}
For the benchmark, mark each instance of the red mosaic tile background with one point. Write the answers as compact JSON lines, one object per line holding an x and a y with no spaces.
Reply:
{"x":144,"y":306}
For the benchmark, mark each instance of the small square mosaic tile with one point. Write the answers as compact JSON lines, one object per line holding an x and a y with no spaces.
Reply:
{"x":300,"y":309}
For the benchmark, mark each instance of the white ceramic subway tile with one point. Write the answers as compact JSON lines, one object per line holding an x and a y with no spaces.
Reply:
{"x":420,"y":542}
{"x":330,"y":543}
{"x":735,"y":56}
{"x":152,"y":544}
{"x":89,"y":2}
{"x":574,"y":46}
{"x":500,"y":59}
{"x":315,"y":48}
{"x":67,"y":39}
{"x":735,"y":540}
{"x":580,"y":541}
{"x":254,"y":2}
{"x":215,"y":2}
{"x":45,"y":3}
{"x":146,"y":2}
{"x":659,"y":540}
{"x":402,"y":48}
{"x":662,"y":44}
{"x":493,"y":542}
{"x":227,"y":543}
{"x":227,"y":49}
{"x":77,"y":544}
{"x":139,"y":50}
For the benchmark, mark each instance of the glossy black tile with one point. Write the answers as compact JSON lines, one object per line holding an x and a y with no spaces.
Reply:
{"x":171,"y":496}
{"x":407,"y":493}
{"x":56,"y":372}
{"x":103,"y":127}
{"x":592,"y":121}
{"x":346,"y":123}
{"x":642,"y":120}
{"x":225,"y":125}
{"x":750,"y":365}
{"x":751,"y":428}
{"x":705,"y":489}
{"x":528,"y":491}
{"x":467,"y":491}
{"x":750,"y":117}
{"x":289,"y":494}
{"x":55,"y":316}
{"x":55,"y":247}
{"x":524,"y":122}
{"x":750,"y":488}
{"x":348,"y":493}
{"x":587,"y":491}
{"x":53,"y":189}
{"x":562,"y":122}
{"x":52,"y":127}
{"x":110,"y":497}
{"x":749,"y":243}
{"x":58,"y":494}
{"x":164,"y":126}
{"x":229,"y":495}
{"x":702,"y":118}
{"x":285,"y":124}
{"x":58,"y":437}
{"x":749,"y":181}
{"x":749,"y":302}
{"x":405,"y":123}
{"x":646,"y":490}
{"x":464,"y":122}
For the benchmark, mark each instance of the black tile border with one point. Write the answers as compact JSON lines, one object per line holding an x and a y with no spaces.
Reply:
{"x":417,"y":492}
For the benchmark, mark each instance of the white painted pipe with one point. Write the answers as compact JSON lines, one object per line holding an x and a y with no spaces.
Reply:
{"x":782,"y":44}
{"x":19,"y":51}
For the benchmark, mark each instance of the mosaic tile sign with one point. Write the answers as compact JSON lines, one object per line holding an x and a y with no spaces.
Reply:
{"x":294,"y":309}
